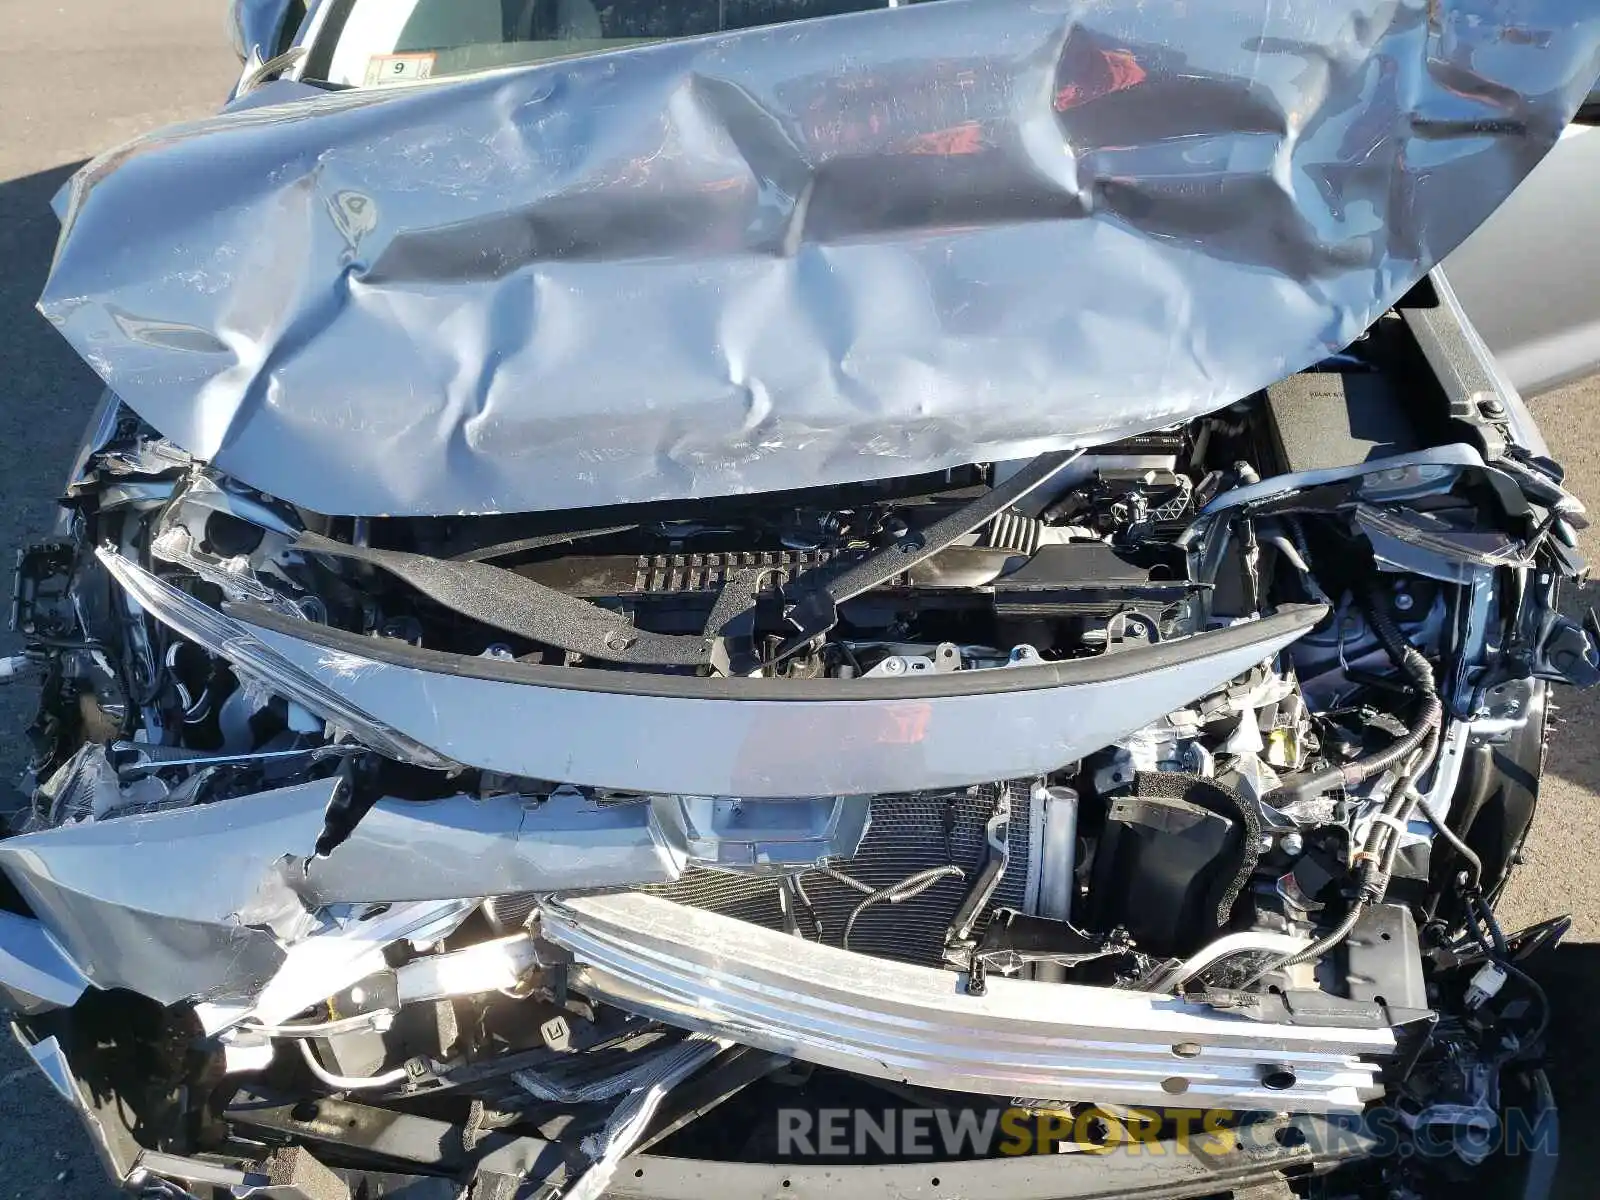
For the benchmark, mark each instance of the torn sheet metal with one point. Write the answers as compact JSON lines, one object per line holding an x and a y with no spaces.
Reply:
{"x":505,"y":845}
{"x":758,"y":738}
{"x":174,"y":905}
{"x":461,"y":846}
{"x":216,"y":901}
{"x":349,"y":949}
{"x":35,"y":975}
{"x":851,"y":248}
{"x":84,"y":786}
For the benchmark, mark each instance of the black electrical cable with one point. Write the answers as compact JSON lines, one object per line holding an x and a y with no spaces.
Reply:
{"x":1430,"y":713}
{"x":1496,"y":951}
{"x":1377,"y":865}
{"x":1317,"y":948}
{"x":1419,"y":743}
{"x":1486,"y":915}
{"x":1463,"y":851}
{"x":906,"y":889}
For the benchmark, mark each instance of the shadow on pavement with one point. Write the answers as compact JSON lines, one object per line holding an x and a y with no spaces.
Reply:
{"x":1570,"y":976}
{"x":46,"y":395}
{"x":1574,"y":750}
{"x":47,"y":389}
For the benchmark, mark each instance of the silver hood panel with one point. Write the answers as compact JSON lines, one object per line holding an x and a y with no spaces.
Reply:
{"x":854,"y":248}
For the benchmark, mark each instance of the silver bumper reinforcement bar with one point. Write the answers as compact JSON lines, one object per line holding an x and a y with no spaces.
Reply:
{"x":917,"y":1025}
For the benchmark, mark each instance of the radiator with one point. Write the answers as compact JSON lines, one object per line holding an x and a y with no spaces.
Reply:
{"x":908,"y":834}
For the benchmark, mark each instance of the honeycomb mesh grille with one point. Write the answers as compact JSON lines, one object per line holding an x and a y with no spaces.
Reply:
{"x":908,"y":834}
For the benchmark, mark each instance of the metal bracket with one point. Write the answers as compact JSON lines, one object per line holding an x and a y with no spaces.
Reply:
{"x":40,"y":604}
{"x":958,"y":940}
{"x":946,"y":657}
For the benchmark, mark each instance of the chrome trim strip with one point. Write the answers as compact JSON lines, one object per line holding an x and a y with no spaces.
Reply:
{"x":917,"y":1025}
{"x":705,"y":743}
{"x":224,"y":636}
{"x":751,"y":738}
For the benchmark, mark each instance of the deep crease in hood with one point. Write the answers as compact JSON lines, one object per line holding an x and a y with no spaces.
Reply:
{"x":844,"y":249}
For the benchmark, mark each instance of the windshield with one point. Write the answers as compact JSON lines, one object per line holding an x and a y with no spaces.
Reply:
{"x":368,"y":43}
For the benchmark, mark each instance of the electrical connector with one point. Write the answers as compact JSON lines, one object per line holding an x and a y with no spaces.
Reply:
{"x":1485,"y":985}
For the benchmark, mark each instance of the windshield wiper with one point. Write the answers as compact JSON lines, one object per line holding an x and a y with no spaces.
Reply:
{"x":814,"y":610}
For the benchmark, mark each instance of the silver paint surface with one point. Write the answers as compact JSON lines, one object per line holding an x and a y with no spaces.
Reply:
{"x":857,"y":247}
{"x":174,"y":905}
{"x":736,"y":737}
{"x":35,"y":975}
{"x":504,"y":845}
{"x":722,"y":745}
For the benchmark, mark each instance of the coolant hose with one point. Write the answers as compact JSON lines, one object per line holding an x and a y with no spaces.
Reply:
{"x":1383,"y":842}
{"x":1429,"y":716}
{"x":1376,"y":862}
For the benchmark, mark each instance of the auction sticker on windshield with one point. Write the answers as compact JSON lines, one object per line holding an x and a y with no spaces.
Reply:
{"x":398,"y":68}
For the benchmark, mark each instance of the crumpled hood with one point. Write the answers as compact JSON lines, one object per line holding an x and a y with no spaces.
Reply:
{"x":844,"y":249}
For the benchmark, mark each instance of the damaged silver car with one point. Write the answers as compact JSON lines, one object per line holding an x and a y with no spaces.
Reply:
{"x":666,"y":596}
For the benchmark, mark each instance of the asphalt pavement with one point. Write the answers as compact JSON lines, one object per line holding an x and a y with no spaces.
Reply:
{"x":78,"y":79}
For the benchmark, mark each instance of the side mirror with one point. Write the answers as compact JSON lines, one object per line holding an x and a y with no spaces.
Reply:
{"x":257,"y":26}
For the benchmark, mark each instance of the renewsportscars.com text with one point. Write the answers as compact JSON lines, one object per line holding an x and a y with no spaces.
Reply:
{"x":945,"y":1133}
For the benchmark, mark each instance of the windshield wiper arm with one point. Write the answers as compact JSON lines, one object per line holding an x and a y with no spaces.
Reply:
{"x":815,"y":609}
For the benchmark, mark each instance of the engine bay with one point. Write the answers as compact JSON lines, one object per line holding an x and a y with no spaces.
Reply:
{"x":1312,"y":841}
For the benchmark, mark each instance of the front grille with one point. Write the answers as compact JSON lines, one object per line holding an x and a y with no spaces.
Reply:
{"x":908,"y":834}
